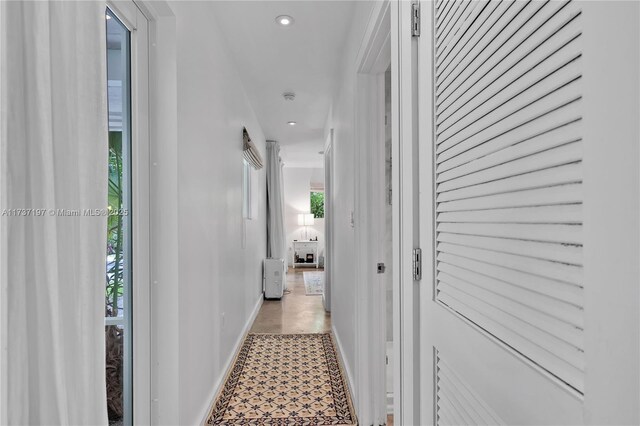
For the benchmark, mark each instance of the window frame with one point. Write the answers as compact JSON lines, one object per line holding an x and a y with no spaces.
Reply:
{"x":137,"y":22}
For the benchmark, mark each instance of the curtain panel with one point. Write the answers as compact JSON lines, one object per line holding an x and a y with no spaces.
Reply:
{"x":276,"y":244}
{"x":54,"y":157}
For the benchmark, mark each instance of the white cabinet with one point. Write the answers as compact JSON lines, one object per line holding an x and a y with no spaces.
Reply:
{"x":305,"y":253}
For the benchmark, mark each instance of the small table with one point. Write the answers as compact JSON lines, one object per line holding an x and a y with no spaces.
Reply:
{"x":302,"y":249}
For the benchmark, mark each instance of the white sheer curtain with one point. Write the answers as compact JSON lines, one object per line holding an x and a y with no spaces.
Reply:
{"x":53,"y":154}
{"x":276,"y":244}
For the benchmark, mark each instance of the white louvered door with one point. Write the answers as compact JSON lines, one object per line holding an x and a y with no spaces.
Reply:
{"x":515,"y":315}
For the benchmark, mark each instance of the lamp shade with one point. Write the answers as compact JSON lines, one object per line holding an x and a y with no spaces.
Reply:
{"x":308,"y":219}
{"x":305,"y":219}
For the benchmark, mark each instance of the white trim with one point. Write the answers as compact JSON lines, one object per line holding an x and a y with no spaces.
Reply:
{"x":4,"y":399}
{"x":163,"y":220}
{"x":610,"y":212}
{"x":345,"y":365}
{"x":217,"y":387}
{"x":140,"y":155}
{"x":113,"y":321}
{"x":125,"y":11}
{"x":426,"y":201}
{"x":374,"y":58}
{"x":129,"y":13}
{"x":404,"y":126}
{"x":378,"y":343}
{"x":328,"y":214}
{"x":405,"y":315}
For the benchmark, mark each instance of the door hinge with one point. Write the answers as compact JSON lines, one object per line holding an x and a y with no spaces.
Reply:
{"x":415,"y":19}
{"x":417,"y":264}
{"x":381,"y":268}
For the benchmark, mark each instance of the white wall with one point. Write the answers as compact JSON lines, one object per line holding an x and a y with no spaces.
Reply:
{"x":342,"y":120}
{"x":297,"y":188}
{"x":220,"y":274}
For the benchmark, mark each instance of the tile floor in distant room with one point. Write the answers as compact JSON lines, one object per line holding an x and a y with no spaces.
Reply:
{"x":296,"y":312}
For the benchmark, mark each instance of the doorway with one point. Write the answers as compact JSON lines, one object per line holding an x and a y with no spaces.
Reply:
{"x":375,"y":214}
{"x":297,"y":307}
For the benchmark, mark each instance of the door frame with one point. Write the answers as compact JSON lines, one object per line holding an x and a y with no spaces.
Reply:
{"x":427,"y":226}
{"x":373,"y":60}
{"x":138,"y":24}
{"x":404,"y":109}
{"x":387,"y":41}
{"x":328,"y":217}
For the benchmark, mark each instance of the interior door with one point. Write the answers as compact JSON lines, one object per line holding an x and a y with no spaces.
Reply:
{"x":529,"y":298}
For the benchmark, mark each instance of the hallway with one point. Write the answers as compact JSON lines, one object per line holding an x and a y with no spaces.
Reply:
{"x":457,"y":181}
{"x":295,"y":313}
{"x":288,"y":370}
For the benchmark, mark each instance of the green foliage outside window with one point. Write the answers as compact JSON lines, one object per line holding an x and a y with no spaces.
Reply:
{"x":317,"y":204}
{"x":115,"y":227}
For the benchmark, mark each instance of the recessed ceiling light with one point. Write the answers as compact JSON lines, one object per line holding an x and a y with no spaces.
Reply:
{"x":291,"y":123}
{"x":284,"y":20}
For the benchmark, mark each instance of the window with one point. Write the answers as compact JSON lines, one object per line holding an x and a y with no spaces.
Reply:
{"x":317,"y":204}
{"x":118,"y":254}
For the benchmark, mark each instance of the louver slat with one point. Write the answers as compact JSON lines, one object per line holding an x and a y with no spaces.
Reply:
{"x":537,"y":284}
{"x":563,"y":331}
{"x":459,"y":7}
{"x":552,"y":195}
{"x":484,"y":18}
{"x":536,"y":56}
{"x":556,"y":253}
{"x":452,"y":34}
{"x":553,"y":307}
{"x":559,"y":122}
{"x":447,"y":8}
{"x":549,"y":168}
{"x":504,"y":12}
{"x":457,"y":402}
{"x":508,"y":146}
{"x":569,"y":214}
{"x":492,"y":154}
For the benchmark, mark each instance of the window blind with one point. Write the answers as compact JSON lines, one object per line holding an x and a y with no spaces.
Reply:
{"x":250,"y":152}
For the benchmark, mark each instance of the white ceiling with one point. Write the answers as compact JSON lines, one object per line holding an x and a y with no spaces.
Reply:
{"x":303,"y":58}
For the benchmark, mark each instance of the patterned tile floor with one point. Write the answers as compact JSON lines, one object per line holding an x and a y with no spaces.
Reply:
{"x":285,"y":379}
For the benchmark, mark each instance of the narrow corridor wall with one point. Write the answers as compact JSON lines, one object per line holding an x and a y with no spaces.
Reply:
{"x":342,"y":120}
{"x":220,"y":253}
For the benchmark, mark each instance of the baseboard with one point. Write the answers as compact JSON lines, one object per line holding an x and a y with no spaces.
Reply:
{"x":229,"y":362}
{"x":345,"y":364}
